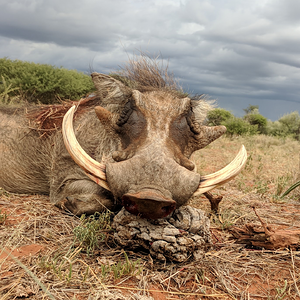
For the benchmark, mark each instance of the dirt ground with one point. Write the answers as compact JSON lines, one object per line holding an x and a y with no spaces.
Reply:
{"x":46,"y":253}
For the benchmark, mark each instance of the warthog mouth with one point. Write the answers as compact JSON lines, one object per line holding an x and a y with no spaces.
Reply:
{"x":148,"y":204}
{"x":134,"y":202}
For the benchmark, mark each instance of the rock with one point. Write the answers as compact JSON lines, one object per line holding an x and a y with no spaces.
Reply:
{"x":176,"y":238}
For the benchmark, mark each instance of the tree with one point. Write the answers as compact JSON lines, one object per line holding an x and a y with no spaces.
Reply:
{"x":292,"y":124}
{"x":218,"y":116}
{"x":253,"y":117}
{"x":257,"y":119}
{"x":276,"y":129}
{"x":238,"y":126}
{"x":251,"y":109}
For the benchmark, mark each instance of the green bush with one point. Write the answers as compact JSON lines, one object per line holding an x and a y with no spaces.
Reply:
{"x":286,"y":126}
{"x":257,"y":119}
{"x":238,"y":126}
{"x":43,"y":83}
{"x":218,"y":116}
{"x":291,"y":122}
{"x":276,"y":129}
{"x":5,"y":90}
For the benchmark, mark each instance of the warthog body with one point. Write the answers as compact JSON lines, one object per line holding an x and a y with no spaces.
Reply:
{"x":144,"y":136}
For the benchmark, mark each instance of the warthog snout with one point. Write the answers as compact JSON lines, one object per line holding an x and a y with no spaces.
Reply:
{"x":148,"y":204}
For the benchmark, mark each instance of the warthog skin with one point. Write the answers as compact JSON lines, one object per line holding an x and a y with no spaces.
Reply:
{"x":144,"y":136}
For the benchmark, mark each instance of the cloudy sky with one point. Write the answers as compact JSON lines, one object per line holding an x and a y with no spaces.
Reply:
{"x":239,"y":52}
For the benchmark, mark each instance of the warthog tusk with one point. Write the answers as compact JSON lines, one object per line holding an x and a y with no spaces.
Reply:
{"x":209,"y":182}
{"x":92,"y":168}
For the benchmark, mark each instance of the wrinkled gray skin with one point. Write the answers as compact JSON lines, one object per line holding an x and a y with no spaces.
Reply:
{"x":144,"y":138}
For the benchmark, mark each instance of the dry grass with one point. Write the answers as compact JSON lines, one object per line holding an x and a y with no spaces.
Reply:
{"x":53,"y":261}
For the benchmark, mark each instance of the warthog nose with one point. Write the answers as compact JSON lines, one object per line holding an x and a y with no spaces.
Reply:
{"x":148,"y":204}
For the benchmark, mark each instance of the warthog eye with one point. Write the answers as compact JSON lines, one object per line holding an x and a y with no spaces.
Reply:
{"x":131,"y":125}
{"x":194,"y":126}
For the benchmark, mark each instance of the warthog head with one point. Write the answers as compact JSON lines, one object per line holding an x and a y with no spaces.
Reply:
{"x":156,"y":131}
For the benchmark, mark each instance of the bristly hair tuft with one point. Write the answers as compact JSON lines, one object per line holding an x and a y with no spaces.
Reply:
{"x":201,"y":105}
{"x":144,"y":73}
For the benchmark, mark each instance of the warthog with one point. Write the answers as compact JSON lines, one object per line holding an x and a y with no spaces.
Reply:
{"x":137,"y":136}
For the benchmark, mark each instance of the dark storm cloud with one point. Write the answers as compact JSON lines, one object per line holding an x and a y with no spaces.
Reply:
{"x":64,"y":23}
{"x":238,"y":52}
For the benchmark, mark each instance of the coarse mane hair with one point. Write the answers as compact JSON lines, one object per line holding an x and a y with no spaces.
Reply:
{"x":144,"y":74}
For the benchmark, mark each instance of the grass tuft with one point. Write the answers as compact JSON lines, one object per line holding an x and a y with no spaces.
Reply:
{"x":90,"y":232}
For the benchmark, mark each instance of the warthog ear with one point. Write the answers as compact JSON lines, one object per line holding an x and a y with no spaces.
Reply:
{"x":109,"y":88}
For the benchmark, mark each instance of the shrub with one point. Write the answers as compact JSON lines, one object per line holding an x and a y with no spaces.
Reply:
{"x":5,"y":90}
{"x":44,"y":83}
{"x":276,"y":129}
{"x":218,"y":116}
{"x":288,"y":125}
{"x":257,"y":119}
{"x":291,"y":122}
{"x":238,"y":126}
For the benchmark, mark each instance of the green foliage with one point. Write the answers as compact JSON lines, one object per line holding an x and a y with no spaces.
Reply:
{"x":251,"y":124}
{"x":281,"y":183}
{"x":276,"y":129}
{"x":255,"y":123}
{"x":90,"y":232}
{"x":5,"y":90}
{"x":218,"y":116}
{"x":261,"y":187}
{"x":257,"y":119}
{"x":121,"y":268}
{"x":282,"y":292}
{"x":60,"y":264}
{"x":251,"y":109}
{"x":288,"y":125}
{"x":128,"y":268}
{"x":238,"y":126}
{"x":253,"y":117}
{"x":291,"y":122}
{"x":42,"y":83}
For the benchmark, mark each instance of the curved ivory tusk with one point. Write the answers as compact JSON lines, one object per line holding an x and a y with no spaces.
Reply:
{"x":92,"y":168}
{"x":209,"y":182}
